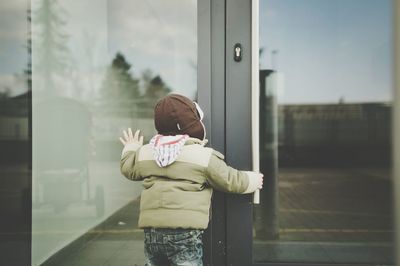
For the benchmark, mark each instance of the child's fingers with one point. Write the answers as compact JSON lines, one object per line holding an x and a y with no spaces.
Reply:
{"x":130,"y":134}
{"x":130,"y":137}
{"x":261,"y":181}
{"x":136,"y":137}
{"x":126,"y":135}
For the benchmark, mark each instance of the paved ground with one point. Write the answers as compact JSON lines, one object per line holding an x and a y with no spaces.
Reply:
{"x":325,"y":215}
{"x":335,"y":205}
{"x":332,"y":215}
{"x":117,"y":242}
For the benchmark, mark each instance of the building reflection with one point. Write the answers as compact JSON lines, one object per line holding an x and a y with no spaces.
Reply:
{"x":328,"y":183}
{"x":15,"y":173}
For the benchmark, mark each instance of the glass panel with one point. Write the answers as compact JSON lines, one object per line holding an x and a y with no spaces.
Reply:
{"x":99,"y":67}
{"x":15,"y":141}
{"x":325,"y":132}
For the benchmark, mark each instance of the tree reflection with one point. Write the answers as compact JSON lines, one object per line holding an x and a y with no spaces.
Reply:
{"x":119,"y":83}
{"x":125,"y":95}
{"x":52,"y":49}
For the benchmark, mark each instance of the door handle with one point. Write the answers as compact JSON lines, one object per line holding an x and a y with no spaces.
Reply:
{"x":255,"y":92}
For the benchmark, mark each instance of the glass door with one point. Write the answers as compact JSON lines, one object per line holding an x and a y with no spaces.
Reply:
{"x":326,"y":99}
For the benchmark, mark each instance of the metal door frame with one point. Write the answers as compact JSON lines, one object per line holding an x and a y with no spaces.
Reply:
{"x":211,"y":96}
{"x":224,"y":91}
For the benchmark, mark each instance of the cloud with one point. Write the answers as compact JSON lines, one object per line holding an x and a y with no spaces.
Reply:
{"x":16,"y":84}
{"x":13,"y":20}
{"x":164,"y":28}
{"x":15,"y":5}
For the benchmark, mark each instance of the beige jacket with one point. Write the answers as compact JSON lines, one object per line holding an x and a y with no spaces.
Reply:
{"x":179,"y":195}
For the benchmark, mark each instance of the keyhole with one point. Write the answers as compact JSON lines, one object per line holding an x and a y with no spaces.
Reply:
{"x":237,"y":49}
{"x":237,"y":52}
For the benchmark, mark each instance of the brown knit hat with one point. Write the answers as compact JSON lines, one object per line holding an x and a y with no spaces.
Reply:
{"x":177,"y":115}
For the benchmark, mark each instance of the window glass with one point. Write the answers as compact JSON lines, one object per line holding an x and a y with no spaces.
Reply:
{"x":98,"y":68}
{"x":15,"y":140}
{"x":325,"y":137}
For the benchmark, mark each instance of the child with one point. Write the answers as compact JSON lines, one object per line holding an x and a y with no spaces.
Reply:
{"x":179,"y":175}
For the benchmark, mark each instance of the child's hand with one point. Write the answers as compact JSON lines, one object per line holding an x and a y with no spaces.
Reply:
{"x":129,"y":138}
{"x":260,"y":181}
{"x":255,"y":181}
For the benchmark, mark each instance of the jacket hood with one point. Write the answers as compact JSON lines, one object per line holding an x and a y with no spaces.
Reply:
{"x":167,"y":148}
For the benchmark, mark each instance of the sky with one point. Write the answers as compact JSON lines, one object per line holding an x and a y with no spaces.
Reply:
{"x":13,"y":41}
{"x":155,"y":35}
{"x":325,"y":50}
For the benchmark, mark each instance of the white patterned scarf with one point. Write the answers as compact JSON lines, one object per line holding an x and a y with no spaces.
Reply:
{"x":167,"y":148}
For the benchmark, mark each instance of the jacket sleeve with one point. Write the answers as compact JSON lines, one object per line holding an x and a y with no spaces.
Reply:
{"x":128,"y":160}
{"x":225,"y":178}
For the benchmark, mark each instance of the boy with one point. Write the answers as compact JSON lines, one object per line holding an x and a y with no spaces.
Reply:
{"x":179,"y":175}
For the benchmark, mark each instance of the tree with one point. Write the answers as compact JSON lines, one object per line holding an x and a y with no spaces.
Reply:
{"x":156,"y":88}
{"x":52,"y":49}
{"x":28,"y":70}
{"x":119,"y":82}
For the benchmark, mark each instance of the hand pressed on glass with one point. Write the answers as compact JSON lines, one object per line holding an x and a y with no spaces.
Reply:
{"x":129,"y":138}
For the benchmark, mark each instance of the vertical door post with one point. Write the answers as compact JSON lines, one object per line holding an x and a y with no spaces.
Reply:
{"x":238,"y":128}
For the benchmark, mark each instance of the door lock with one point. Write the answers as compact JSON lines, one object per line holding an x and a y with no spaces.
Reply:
{"x":237,"y":52}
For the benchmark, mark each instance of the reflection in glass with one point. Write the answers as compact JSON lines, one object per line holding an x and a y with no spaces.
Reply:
{"x":15,"y":139}
{"x":94,"y":76}
{"x":325,"y":132}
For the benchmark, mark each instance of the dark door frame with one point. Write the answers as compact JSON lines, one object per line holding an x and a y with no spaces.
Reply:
{"x":239,"y":128}
{"x":224,"y":91}
{"x":211,"y":96}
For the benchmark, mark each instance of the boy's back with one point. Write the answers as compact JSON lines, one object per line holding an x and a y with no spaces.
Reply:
{"x":178,"y":175}
{"x":179,"y":195}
